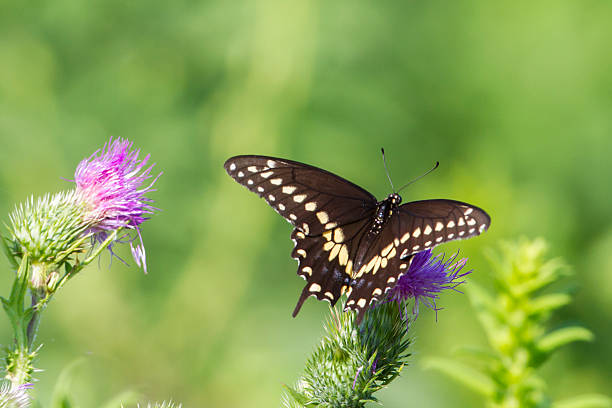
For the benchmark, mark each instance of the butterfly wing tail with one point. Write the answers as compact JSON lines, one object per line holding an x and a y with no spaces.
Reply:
{"x":305,"y":294}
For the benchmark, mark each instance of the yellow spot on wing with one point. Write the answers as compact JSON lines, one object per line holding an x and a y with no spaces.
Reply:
{"x":335,"y":251}
{"x":315,"y":287}
{"x":349,"y":267}
{"x":310,"y":206}
{"x":371,"y":264}
{"x":378,"y":261}
{"x":386,"y":249}
{"x":289,"y":189}
{"x":299,"y":198}
{"x":338,"y":235}
{"x":343,"y":256}
{"x":323,"y":217}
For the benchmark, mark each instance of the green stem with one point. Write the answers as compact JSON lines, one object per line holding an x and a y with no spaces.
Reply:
{"x":19,"y":356}
{"x":34,"y":321}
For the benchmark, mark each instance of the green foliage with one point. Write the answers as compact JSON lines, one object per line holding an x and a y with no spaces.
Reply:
{"x":512,"y":97}
{"x":515,"y":320}
{"x":351,"y":364}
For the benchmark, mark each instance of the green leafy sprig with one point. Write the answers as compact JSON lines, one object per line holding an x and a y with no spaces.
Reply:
{"x":515,"y":318}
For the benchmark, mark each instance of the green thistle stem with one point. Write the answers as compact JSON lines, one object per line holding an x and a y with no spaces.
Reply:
{"x":26,"y":321}
{"x":35,"y":321}
{"x":19,"y":357}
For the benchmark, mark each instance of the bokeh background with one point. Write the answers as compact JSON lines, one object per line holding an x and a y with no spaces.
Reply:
{"x":514,"y":98}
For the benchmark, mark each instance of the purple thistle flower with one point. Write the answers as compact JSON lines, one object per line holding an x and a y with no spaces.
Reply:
{"x":427,"y":277}
{"x":110,"y":185}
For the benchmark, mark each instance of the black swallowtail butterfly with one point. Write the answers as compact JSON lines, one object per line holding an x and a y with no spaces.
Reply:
{"x":346,"y":241}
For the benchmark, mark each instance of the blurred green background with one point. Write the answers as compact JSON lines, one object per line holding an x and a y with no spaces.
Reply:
{"x":514,"y":98}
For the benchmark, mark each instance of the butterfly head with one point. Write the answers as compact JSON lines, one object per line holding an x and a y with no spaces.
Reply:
{"x":395,"y":199}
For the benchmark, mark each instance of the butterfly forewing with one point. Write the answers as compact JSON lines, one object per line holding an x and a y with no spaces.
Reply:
{"x":425,"y":224}
{"x":310,"y":198}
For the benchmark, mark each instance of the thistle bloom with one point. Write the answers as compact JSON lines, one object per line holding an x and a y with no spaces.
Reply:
{"x":110,"y":195}
{"x":427,"y":277}
{"x":110,"y":184}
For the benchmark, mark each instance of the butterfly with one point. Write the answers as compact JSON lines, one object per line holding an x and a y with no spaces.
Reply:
{"x":346,"y":241}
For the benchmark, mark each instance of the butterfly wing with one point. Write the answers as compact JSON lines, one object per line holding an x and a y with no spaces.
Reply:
{"x":326,"y":261}
{"x":311,"y":199}
{"x":425,"y":224}
{"x":330,"y":216}
{"x":417,"y":226}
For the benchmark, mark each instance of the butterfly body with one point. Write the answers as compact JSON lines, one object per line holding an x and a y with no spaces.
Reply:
{"x":346,"y":241}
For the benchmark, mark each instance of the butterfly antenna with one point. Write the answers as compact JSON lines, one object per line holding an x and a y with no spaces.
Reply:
{"x":420,"y":177}
{"x":386,"y":169}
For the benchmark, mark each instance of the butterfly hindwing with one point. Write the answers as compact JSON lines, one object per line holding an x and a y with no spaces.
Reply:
{"x":326,"y":261}
{"x":386,"y":260}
